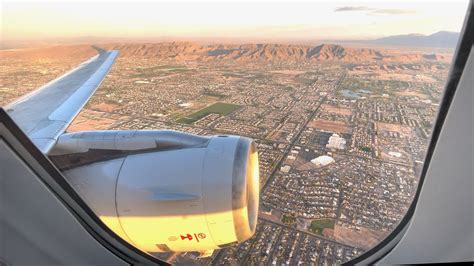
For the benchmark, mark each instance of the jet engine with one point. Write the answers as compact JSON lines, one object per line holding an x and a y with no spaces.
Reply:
{"x":166,"y":191}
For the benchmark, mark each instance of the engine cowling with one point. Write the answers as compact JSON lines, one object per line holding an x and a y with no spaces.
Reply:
{"x":173,"y":192}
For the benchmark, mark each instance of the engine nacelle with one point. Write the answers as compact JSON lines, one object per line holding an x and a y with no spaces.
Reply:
{"x":166,"y":191}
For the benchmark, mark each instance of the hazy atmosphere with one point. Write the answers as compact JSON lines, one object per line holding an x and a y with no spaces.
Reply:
{"x":245,"y":21}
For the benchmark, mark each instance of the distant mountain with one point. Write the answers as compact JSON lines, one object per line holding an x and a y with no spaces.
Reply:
{"x":188,"y":51}
{"x":183,"y":51}
{"x":441,"y":39}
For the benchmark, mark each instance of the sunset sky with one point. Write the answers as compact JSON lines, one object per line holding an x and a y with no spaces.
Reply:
{"x":248,"y":20}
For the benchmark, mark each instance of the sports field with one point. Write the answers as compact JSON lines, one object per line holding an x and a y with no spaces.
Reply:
{"x":317,"y":226}
{"x":216,"y":108}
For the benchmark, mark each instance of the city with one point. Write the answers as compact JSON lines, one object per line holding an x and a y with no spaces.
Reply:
{"x":341,"y":141}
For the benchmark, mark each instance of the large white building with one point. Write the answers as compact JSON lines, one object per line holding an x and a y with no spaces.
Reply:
{"x":285,"y":169}
{"x":336,"y":142}
{"x":323,"y":160}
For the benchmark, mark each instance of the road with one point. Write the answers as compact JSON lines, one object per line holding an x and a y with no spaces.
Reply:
{"x":292,"y":143}
{"x":296,"y":138}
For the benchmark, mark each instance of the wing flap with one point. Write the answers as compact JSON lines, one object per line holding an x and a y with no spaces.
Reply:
{"x":46,"y":113}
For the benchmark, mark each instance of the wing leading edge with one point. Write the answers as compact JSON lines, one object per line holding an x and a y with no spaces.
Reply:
{"x":45,"y":113}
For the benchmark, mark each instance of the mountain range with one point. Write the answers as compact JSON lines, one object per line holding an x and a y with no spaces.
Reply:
{"x":441,"y":39}
{"x":187,"y":51}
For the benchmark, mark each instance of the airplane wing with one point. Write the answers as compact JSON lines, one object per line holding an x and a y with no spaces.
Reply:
{"x":45,"y":113}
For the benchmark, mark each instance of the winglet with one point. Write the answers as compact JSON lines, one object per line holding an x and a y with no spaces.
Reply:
{"x":100,"y":50}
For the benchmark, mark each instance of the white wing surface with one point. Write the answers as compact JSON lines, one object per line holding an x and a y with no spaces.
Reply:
{"x":45,"y":113}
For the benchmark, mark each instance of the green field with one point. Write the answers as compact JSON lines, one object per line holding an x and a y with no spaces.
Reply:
{"x":373,"y":85}
{"x":288,"y":220}
{"x":217,"y":108}
{"x":317,"y":226}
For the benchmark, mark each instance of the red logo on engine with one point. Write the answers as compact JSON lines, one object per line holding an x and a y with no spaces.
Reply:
{"x":196,"y":236}
{"x":188,"y":236}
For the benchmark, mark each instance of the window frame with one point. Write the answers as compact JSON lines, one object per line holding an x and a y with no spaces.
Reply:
{"x":458,"y":64}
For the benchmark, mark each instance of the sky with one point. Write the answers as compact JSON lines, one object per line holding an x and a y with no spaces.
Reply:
{"x":246,"y":20}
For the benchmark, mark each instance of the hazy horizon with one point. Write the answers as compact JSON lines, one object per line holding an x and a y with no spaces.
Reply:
{"x":210,"y":39}
{"x":227,"y":22}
